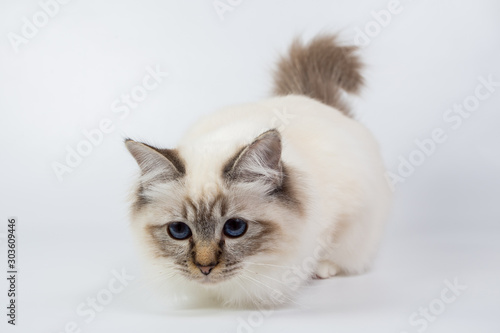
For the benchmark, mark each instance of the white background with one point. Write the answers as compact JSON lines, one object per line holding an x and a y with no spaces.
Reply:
{"x":73,"y":233}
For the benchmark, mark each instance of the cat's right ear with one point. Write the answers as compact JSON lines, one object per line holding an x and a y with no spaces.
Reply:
{"x":164,"y":164}
{"x":259,"y":161}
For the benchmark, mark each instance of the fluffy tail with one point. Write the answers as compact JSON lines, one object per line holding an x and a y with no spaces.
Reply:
{"x":321,"y":70}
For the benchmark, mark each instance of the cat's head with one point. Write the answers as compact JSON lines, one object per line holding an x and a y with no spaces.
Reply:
{"x":211,"y":220}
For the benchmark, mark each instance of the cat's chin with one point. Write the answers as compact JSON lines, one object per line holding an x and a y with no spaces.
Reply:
{"x":210,"y":282}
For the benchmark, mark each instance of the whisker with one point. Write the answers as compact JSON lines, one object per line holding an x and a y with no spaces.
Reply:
{"x":250,"y":297}
{"x":265,"y":285}
{"x":266,"y":276}
{"x":264,"y":264}
{"x":244,"y":289}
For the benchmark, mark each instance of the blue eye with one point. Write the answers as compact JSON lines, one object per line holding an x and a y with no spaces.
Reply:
{"x":179,"y":230}
{"x":235,"y":227}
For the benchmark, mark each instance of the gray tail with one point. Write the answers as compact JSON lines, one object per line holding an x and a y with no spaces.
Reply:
{"x":322,"y":69}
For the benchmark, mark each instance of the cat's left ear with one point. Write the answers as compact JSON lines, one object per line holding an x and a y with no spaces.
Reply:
{"x":156,"y":163}
{"x":259,"y":161}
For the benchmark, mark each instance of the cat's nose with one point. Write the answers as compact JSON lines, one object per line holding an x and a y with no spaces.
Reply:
{"x":206,"y":269}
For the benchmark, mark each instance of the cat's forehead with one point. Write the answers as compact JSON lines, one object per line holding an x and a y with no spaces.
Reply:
{"x":203,"y":184}
{"x":204,"y":192}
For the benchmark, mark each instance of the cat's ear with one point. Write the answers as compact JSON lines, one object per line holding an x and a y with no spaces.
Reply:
{"x":259,"y":161}
{"x":161,"y":164}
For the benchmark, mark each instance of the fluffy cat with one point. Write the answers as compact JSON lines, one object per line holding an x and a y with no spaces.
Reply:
{"x":259,"y":198}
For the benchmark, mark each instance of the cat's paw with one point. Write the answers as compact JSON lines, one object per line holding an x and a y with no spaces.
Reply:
{"x":326,"y":269}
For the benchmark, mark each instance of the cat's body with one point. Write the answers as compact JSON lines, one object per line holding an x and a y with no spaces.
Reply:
{"x":298,"y":182}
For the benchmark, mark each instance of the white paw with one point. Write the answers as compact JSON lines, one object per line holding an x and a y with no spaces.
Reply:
{"x":326,"y":269}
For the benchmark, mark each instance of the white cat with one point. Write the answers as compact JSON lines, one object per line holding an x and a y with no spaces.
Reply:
{"x":259,"y":198}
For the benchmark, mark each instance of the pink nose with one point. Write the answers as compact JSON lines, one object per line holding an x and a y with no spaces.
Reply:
{"x":206,"y":269}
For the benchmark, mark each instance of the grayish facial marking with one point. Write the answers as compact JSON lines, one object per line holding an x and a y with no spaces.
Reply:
{"x":208,"y":246}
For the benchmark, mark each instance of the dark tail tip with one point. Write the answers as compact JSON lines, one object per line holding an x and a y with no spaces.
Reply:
{"x":322,"y":69}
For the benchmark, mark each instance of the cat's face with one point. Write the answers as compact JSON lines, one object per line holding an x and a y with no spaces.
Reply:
{"x":210,"y":229}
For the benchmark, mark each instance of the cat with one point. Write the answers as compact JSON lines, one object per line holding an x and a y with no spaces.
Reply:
{"x":258,"y":199}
